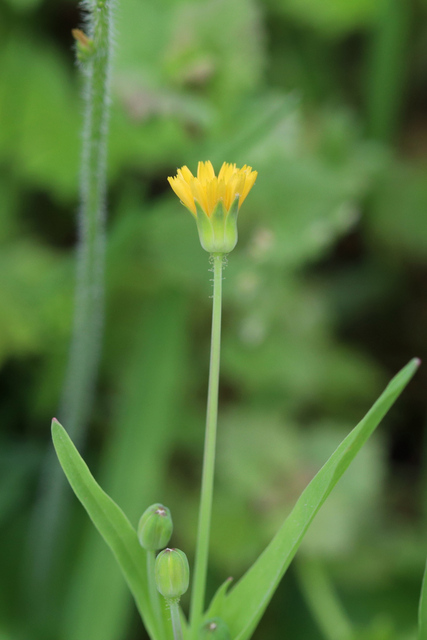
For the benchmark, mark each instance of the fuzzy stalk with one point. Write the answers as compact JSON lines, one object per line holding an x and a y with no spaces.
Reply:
{"x":203,"y":532}
{"x":85,"y":349}
{"x":175,"y":619}
{"x":89,"y":307}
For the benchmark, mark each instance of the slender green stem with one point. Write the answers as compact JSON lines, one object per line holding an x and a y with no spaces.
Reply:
{"x":202,"y":547}
{"x":75,"y":406}
{"x":175,"y":619}
{"x":154,"y":594}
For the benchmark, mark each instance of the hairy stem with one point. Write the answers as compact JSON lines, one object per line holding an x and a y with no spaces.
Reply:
{"x":89,"y":298}
{"x":203,"y":532}
{"x":88,"y":318}
{"x":176,"y":620}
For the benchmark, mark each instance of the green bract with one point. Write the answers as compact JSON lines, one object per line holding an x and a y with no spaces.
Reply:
{"x":155,"y":527}
{"x":218,"y":232}
{"x":172,"y":573}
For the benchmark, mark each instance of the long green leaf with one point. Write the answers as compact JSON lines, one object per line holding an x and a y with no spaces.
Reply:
{"x":422,"y":611}
{"x":110,"y":521}
{"x":244,"y":605}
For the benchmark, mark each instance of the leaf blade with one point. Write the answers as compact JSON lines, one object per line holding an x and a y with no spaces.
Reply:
{"x":244,"y":605}
{"x":110,"y":521}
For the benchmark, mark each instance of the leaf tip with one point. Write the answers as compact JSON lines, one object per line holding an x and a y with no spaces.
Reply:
{"x":413,"y":365}
{"x":56,"y":427}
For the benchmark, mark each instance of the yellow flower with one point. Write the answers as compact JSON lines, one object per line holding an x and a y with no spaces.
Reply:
{"x":207,"y":189}
{"x":214,"y":201}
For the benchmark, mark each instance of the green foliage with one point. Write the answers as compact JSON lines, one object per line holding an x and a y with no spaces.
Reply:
{"x":332,"y":17}
{"x":399,"y":220}
{"x":110,"y":522}
{"x":41,"y":141}
{"x":244,"y":606}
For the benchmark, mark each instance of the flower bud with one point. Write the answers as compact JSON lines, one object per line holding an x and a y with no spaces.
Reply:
{"x":155,"y":527}
{"x":172,"y":573}
{"x":215,"y":629}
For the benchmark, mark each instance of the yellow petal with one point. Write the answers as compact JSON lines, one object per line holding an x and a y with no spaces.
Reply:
{"x":212,"y":195}
{"x":205,"y":171}
{"x":185,"y":174}
{"x":249,"y":183}
{"x":183,"y":192}
{"x":226,"y":171}
{"x":208,"y":190}
{"x":199,"y":194}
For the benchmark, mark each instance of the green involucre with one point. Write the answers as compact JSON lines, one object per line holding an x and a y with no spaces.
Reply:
{"x":218,"y":232}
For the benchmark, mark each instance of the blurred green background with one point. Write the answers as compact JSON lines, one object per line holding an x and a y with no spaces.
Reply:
{"x":325,"y":299}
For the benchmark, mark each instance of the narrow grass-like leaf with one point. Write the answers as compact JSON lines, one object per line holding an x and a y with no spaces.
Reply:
{"x":422,"y":611}
{"x":245,"y":604}
{"x":110,"y":521}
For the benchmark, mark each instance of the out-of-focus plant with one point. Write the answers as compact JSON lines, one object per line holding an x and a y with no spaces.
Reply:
{"x":94,"y":51}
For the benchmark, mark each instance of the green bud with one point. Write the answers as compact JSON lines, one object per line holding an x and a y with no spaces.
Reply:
{"x":155,"y":527}
{"x":172,"y":573}
{"x":215,"y":629}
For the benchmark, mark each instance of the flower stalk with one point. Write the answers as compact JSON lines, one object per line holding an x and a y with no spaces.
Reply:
{"x":176,"y":620}
{"x":203,"y":532}
{"x":153,"y":593}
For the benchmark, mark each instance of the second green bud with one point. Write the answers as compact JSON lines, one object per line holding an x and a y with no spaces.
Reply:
{"x":172,"y":573}
{"x":155,"y":527}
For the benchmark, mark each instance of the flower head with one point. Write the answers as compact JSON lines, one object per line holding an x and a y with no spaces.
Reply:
{"x":214,"y":201}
